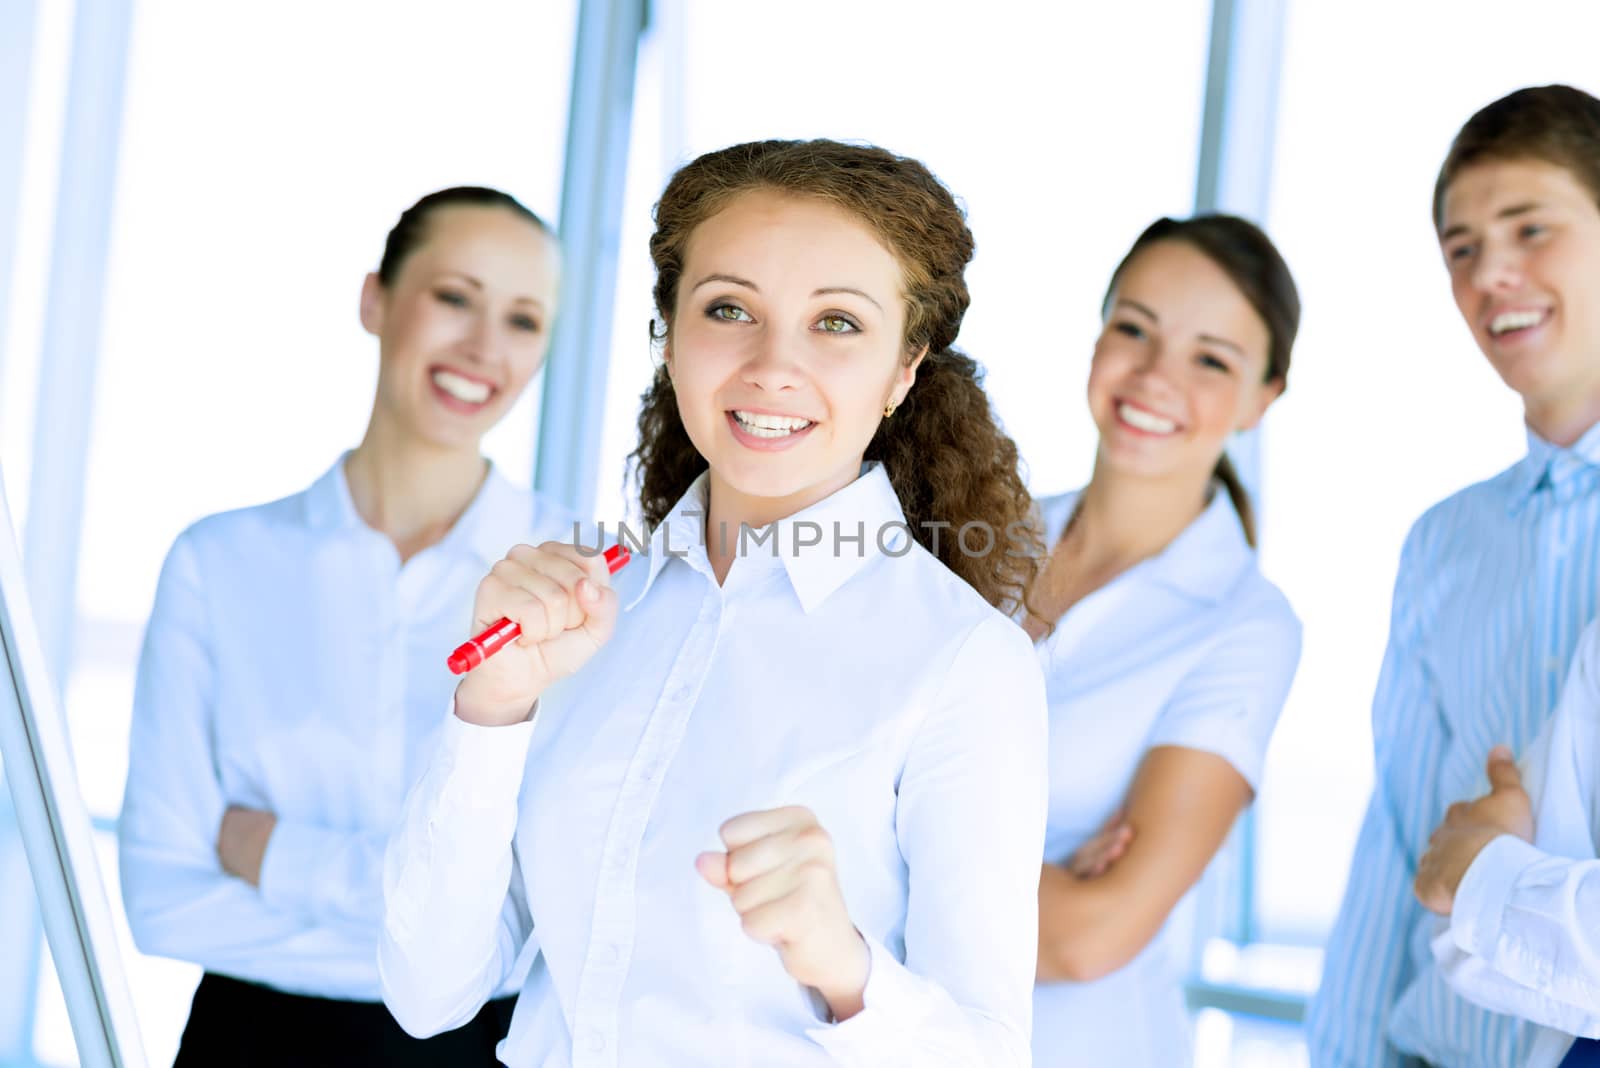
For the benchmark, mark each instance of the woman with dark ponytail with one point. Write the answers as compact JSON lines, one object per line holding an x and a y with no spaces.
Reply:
{"x":266,"y":768}
{"x":1167,"y":655}
{"x":777,"y":797}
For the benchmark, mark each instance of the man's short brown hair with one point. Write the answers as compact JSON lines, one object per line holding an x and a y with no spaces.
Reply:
{"x":1551,"y":123}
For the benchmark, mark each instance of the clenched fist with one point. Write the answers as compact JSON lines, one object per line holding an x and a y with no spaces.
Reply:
{"x":779,"y":874}
{"x":1467,"y":828}
{"x":563,"y":601}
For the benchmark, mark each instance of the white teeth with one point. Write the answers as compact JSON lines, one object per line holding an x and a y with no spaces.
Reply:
{"x":1146,"y":421}
{"x":770,"y":426}
{"x":1515,"y":320}
{"x":461,"y":388}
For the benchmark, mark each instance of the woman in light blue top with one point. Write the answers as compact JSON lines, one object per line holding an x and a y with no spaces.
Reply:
{"x":1167,"y":655}
{"x":292,"y":667}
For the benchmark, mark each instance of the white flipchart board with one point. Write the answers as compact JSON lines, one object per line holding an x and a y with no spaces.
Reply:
{"x":56,"y":833}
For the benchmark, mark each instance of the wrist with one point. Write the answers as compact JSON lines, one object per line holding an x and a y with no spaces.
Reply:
{"x":1469,"y":850}
{"x":845,"y":992}
{"x":258,"y":854}
{"x":490,"y":714}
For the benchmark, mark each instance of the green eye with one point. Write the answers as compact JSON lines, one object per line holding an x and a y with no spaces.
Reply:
{"x":836,"y":324}
{"x":729,"y":313}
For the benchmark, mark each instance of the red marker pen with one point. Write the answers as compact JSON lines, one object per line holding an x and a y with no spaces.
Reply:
{"x":469,"y":654}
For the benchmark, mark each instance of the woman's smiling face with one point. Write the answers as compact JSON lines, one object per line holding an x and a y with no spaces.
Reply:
{"x":1180,"y":365}
{"x":785,"y":346}
{"x":465,"y":324}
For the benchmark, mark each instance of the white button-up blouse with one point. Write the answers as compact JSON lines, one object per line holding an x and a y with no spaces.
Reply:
{"x":854,"y":675}
{"x":293,"y":664}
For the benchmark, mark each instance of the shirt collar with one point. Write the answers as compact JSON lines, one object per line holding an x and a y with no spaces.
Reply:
{"x":497,"y":518}
{"x":1549,"y":466}
{"x":328,"y":504}
{"x":818,"y":547}
{"x":1203,"y":562}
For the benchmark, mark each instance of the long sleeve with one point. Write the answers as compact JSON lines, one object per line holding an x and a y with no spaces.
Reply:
{"x":1524,"y":937}
{"x":455,"y":919}
{"x":180,"y":902}
{"x":324,"y":874}
{"x":1524,"y":934}
{"x":970,"y":824}
{"x":1367,"y":964}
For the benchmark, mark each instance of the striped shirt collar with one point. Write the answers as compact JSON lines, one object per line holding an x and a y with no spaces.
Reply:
{"x":1564,"y":471}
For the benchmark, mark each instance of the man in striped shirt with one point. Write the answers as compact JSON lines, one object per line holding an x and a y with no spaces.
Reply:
{"x":1495,"y":583}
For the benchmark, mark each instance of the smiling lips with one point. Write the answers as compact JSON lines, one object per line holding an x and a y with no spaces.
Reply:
{"x":762,"y":425}
{"x":1516,"y":320}
{"x":1147,"y":421}
{"x":464,"y":389}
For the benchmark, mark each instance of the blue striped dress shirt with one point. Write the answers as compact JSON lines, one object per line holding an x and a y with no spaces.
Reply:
{"x":1495,"y":585}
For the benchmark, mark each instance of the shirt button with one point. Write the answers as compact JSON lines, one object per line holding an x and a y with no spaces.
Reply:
{"x":606,"y":954}
{"x":596,"y":1042}
{"x":680,"y":694}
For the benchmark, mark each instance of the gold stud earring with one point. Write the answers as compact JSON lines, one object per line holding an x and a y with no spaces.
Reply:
{"x":888,"y":410}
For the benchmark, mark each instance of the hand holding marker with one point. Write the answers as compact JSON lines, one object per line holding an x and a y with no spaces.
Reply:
{"x":469,"y":654}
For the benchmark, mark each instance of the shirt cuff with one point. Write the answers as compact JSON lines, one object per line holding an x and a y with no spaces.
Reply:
{"x":1485,"y":889}
{"x":290,"y":865}
{"x":893,"y":1002}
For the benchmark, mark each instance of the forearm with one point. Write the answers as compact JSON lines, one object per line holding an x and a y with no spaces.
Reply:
{"x":1089,"y":928}
{"x":192,"y":911}
{"x":1531,"y":918}
{"x":911,"y":1019}
{"x":452,"y":926}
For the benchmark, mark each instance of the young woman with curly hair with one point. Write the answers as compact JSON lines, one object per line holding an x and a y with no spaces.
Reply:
{"x":777,"y":796}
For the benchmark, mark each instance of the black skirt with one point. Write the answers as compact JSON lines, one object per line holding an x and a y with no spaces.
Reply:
{"x":234,"y":1024}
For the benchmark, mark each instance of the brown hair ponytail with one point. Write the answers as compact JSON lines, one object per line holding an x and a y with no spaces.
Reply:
{"x":1240,"y":497}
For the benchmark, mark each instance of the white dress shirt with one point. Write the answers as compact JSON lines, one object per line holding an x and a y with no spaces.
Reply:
{"x":1192,"y":647}
{"x":872,"y":686}
{"x":1523,"y":937}
{"x":292,"y":664}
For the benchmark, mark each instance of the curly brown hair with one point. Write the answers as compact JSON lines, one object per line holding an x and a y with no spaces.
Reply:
{"x":944,"y":451}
